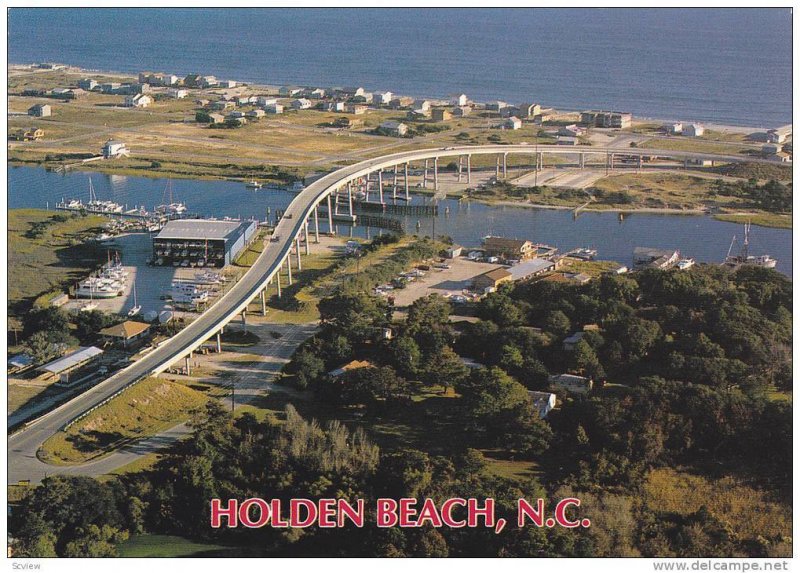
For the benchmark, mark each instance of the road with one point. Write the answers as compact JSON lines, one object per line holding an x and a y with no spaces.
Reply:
{"x":24,"y":444}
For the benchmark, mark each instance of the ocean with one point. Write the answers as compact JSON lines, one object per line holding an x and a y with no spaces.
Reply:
{"x":729,"y":66}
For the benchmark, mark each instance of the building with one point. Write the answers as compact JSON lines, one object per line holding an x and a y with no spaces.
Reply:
{"x":19,"y":362}
{"x":215,"y":118}
{"x":264,"y":101}
{"x":673,"y":128}
{"x":441,"y":114}
{"x":255,"y":113}
{"x":454,"y":251}
{"x":496,"y":105}
{"x":62,"y":367}
{"x":572,"y":383}
{"x":573,"y":130}
{"x":40,"y":110}
{"x":382,"y":98}
{"x":778,"y":135}
{"x":338,"y":106}
{"x":693,"y":130}
{"x":350,"y":92}
{"x":273,"y":109}
{"x":228,"y":84}
{"x":204,"y":242}
{"x":572,"y":340}
{"x":126,"y":334}
{"x":782,"y":157}
{"x":612,"y":119}
{"x":67,"y":93}
{"x":222,"y":105}
{"x":771,"y":148}
{"x":301,"y":103}
{"x":114,"y":148}
{"x":564,"y":140}
{"x":352,"y":365}
{"x":317,"y":93}
{"x":516,"y":249}
{"x":401,"y":102}
{"x":110,"y":87}
{"x":512,"y":123}
{"x":418,"y":114}
{"x":29,"y":134}
{"x":87,"y":84}
{"x":543,"y":402}
{"x":530,"y":268}
{"x":459,"y":100}
{"x":529,"y":110}
{"x":356,"y":109}
{"x":289,"y":91}
{"x":178,"y":93}
{"x":207,"y":82}
{"x":138,"y":100}
{"x":422,"y":104}
{"x":348,"y":123}
{"x":462,"y":111}
{"x":645,"y":257}
{"x":491,"y":280}
{"x":394,"y":128}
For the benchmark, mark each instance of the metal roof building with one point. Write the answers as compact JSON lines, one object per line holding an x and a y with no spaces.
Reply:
{"x":71,"y":360}
{"x":202,"y":242}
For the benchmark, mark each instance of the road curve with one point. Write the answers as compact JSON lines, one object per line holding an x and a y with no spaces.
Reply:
{"x":23,"y":445}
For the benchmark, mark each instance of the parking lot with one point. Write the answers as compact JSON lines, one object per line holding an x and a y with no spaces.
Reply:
{"x":445,"y":282}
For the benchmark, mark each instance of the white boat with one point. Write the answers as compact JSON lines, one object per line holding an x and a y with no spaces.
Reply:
{"x":136,"y":308}
{"x":170,"y":206}
{"x":685,"y":264}
{"x":584,"y":254}
{"x":744,"y":257}
{"x":94,"y":288}
{"x":88,"y":307}
{"x":253,"y":185}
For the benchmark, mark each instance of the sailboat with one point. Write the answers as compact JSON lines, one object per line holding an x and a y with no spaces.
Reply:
{"x":136,"y":308}
{"x":170,"y":206}
{"x":744,"y":257}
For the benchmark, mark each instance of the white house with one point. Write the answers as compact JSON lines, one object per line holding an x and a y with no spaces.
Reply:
{"x":459,"y":100}
{"x":273,"y":108}
{"x":138,"y":100}
{"x":382,"y":98}
{"x":572,"y":130}
{"x":114,"y":148}
{"x":543,"y":402}
{"x":289,"y":91}
{"x":572,"y":383}
{"x":511,"y":123}
{"x":673,"y":128}
{"x":394,"y":128}
{"x":496,"y":105}
{"x":422,"y":104}
{"x":693,"y":130}
{"x":317,"y":93}
{"x":178,"y":93}
{"x":301,"y":103}
{"x":264,"y":101}
{"x":462,"y":111}
{"x":336,"y":106}
{"x":255,"y":113}
{"x":227,"y":84}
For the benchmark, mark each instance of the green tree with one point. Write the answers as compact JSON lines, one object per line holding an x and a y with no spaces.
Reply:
{"x":445,"y":369}
{"x":95,"y":541}
{"x":557,"y":322}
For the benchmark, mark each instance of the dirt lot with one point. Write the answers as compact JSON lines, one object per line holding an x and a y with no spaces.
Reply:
{"x":444,"y":282}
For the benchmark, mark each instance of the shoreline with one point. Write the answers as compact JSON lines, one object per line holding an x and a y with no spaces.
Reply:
{"x":709,"y":123}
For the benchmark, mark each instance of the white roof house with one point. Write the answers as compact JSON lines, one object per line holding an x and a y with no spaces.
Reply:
{"x":70,"y":361}
{"x":114,"y":148}
{"x":266,"y":100}
{"x":512,"y":123}
{"x":422,"y":104}
{"x":273,"y":108}
{"x":138,"y":100}
{"x":572,"y":383}
{"x":382,"y":98}
{"x":178,"y":93}
{"x":459,"y":100}
{"x":543,"y":402}
{"x":301,"y":103}
{"x":693,"y":130}
{"x":394,"y":128}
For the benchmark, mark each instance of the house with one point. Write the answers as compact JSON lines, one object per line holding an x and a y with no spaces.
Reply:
{"x":572,"y":340}
{"x":216,"y":118}
{"x":441,"y":114}
{"x":351,"y":92}
{"x":672,"y":128}
{"x":401,"y":102}
{"x":572,"y":383}
{"x":459,"y":100}
{"x":693,"y":130}
{"x":110,"y":87}
{"x":138,"y":100}
{"x":366,"y":98}
{"x":491,"y":280}
{"x":348,"y":123}
{"x":19,"y":362}
{"x":418,"y":114}
{"x":782,"y":157}
{"x":301,"y":103}
{"x":317,"y":93}
{"x":530,"y":268}
{"x":357,"y":109}
{"x":771,"y":148}
{"x":125,"y":334}
{"x":87,"y":84}
{"x":543,"y":402}
{"x":256,"y":114}
{"x":40,"y":110}
{"x":529,"y":110}
{"x":611,"y":119}
{"x":289,"y":91}
{"x":67,"y":93}
{"x":352,"y":365}
{"x":178,"y":93}
{"x":274,"y":108}
{"x":222,"y":105}
{"x":518,"y":249}
{"x":62,"y":367}
{"x":228,"y":84}
{"x":511,"y":111}
{"x":242,"y":100}
{"x":201,"y":102}
{"x":264,"y":101}
{"x":207,"y":82}
{"x":29,"y":134}
{"x":572,"y":130}
{"x":114,"y":148}
{"x":135,"y":88}
{"x":778,"y":135}
{"x":496,"y":105}
{"x":382,"y":98}
{"x":511,"y":123}
{"x":580,"y":278}
{"x":394,"y":128}
{"x":339,"y":106}
{"x":645,"y":257}
{"x":454,"y":251}
{"x":422,"y":104}
{"x":235,"y":115}
{"x":462,"y":111}
{"x":563,"y":140}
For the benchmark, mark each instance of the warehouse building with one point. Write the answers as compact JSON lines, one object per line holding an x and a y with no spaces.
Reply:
{"x":202,"y":242}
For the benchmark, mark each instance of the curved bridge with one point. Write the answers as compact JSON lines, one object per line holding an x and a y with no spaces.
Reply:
{"x":277,"y":257}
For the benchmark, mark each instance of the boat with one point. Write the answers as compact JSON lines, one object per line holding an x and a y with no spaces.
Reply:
{"x":93,"y":288}
{"x":685,"y":264}
{"x":89,"y":306}
{"x":170,"y":207}
{"x":744,"y":257}
{"x":99,"y":206}
{"x":136,"y":308}
{"x":253,"y":185}
{"x":584,"y":254}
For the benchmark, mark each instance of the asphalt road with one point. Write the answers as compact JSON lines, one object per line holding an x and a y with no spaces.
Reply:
{"x":23,"y":445}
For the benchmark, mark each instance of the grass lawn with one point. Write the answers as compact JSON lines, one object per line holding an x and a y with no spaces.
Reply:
{"x":54,"y":259}
{"x":592,"y":268}
{"x":761,"y":219}
{"x":168,"y":546}
{"x":145,"y":409}
{"x":19,"y":395}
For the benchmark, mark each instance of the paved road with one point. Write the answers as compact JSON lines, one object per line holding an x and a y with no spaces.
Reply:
{"x":24,"y":444}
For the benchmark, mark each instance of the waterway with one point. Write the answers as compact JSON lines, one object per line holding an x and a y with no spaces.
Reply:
{"x":700,"y":237}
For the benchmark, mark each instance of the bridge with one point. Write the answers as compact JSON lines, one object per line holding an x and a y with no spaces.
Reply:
{"x":284,"y":251}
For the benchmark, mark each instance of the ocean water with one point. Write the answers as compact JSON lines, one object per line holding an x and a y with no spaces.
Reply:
{"x":715,"y":65}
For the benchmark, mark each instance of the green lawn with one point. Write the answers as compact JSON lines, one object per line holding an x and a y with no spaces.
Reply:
{"x":761,"y":219}
{"x":168,"y":546}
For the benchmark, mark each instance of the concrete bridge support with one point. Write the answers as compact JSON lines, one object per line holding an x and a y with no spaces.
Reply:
{"x":425,"y":175}
{"x":264,"y":302}
{"x":244,"y":320}
{"x":297,"y":251}
{"x":380,"y":185}
{"x":289,"y":267}
{"x":436,"y":173}
{"x":405,"y":181}
{"x":278,"y":282}
{"x":316,"y":224}
{"x":305,"y":233}
{"x":187,"y":364}
{"x":219,"y":342}
{"x":581,"y":160}
{"x":350,"y":198}
{"x":497,"y":168}
{"x":394,"y":184}
{"x":505,"y":165}
{"x":330,"y":217}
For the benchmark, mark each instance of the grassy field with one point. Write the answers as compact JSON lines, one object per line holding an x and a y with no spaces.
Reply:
{"x":720,"y":146}
{"x":145,"y":409}
{"x":50,"y":260}
{"x":168,"y":546}
{"x":761,"y":219}
{"x":19,"y":395}
{"x":590,"y":268}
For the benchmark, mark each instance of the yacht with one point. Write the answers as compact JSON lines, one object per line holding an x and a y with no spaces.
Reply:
{"x":684,"y":264}
{"x":744,"y":257}
{"x":136,"y":308}
{"x":253,"y":185}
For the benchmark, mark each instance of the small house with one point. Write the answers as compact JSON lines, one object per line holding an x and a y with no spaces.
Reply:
{"x":511,"y":123}
{"x":491,"y":280}
{"x":459,"y":100}
{"x":496,"y":105}
{"x":506,"y":248}
{"x":301,"y":103}
{"x":422,"y":104}
{"x":40,"y":110}
{"x":693,"y":130}
{"x":394,"y":128}
{"x":125,"y":334}
{"x":441,"y":114}
{"x":382,"y":98}
{"x":462,"y":111}
{"x":543,"y":402}
{"x":256,"y":114}
{"x":273,"y":109}
{"x":289,"y":91}
{"x":572,"y":383}
{"x":215,"y":118}
{"x":114,"y":148}
{"x":352,"y":365}
{"x":87,"y":84}
{"x":138,"y":100}
{"x":357,"y":109}
{"x":178,"y":93}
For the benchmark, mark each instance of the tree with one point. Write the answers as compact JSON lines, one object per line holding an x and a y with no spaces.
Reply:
{"x":557,"y":322}
{"x":40,"y":349}
{"x":52,"y":321}
{"x":583,"y":358}
{"x":405,"y":355}
{"x":308,"y":367}
{"x":354,"y":314}
{"x":95,"y":541}
{"x":445,"y":369}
